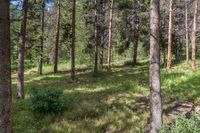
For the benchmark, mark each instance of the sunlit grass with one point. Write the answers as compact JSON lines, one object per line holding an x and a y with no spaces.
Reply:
{"x":115,"y":101}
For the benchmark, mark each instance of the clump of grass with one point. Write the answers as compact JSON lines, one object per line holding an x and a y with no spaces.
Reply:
{"x":130,"y":86}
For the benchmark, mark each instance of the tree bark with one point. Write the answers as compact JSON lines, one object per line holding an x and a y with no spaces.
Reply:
{"x":169,"y":57}
{"x":22,"y":39}
{"x":186,"y":32}
{"x":193,"y":38}
{"x":40,"y":59}
{"x":57,"y":38}
{"x":5,"y":69}
{"x":73,"y":40}
{"x":154,"y":69}
{"x":110,"y":33}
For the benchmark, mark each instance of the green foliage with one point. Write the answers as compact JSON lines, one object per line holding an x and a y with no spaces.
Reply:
{"x":125,"y":4}
{"x":183,"y":125}
{"x":48,"y":100}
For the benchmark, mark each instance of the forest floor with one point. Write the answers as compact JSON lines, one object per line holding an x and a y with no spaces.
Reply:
{"x":115,"y":101}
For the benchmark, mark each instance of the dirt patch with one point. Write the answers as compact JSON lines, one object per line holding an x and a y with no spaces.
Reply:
{"x":181,"y":108}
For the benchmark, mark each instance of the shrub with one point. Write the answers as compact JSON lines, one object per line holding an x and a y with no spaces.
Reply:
{"x":48,"y":100}
{"x":128,"y":63}
{"x":183,"y":125}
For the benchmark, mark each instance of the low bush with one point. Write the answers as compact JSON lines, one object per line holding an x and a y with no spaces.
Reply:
{"x":48,"y":101}
{"x":183,"y":125}
{"x":128,"y":63}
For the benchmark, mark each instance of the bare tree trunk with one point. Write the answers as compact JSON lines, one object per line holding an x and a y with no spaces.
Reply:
{"x":40,"y":59}
{"x":102,"y":55}
{"x":169,"y":57}
{"x":96,"y":38}
{"x":110,"y":33}
{"x":155,"y":87}
{"x":57,"y":38}
{"x":186,"y":32}
{"x":177,"y":48}
{"x":5,"y":69}
{"x":73,"y":40}
{"x":103,"y":38}
{"x":193,"y":41}
{"x":22,"y":39}
{"x":96,"y":59}
{"x":163,"y":50}
{"x":135,"y":48}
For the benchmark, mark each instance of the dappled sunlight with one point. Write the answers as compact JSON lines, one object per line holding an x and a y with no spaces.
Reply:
{"x":115,"y":101}
{"x":112,"y":101}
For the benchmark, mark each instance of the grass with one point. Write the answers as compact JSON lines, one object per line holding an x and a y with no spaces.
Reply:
{"x":114,"y":101}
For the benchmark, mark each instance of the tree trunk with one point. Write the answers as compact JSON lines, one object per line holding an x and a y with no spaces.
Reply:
{"x":96,"y":59}
{"x":155,"y":87}
{"x":135,"y":48}
{"x":193,"y":41}
{"x":102,"y":55}
{"x":40,"y":59}
{"x":186,"y":32}
{"x":22,"y":39}
{"x":103,"y":38}
{"x":57,"y":38}
{"x":96,"y":38}
{"x":163,"y":49}
{"x":73,"y":40}
{"x":110,"y":33}
{"x":177,"y":49}
{"x":169,"y":57}
{"x":5,"y":69}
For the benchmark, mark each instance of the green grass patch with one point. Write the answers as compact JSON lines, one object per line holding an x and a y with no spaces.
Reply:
{"x":114,"y":101}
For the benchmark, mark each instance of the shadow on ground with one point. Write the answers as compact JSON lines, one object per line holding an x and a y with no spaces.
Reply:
{"x":109,"y":102}
{"x":114,"y":101}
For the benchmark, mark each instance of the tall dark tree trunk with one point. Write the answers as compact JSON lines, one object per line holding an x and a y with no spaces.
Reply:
{"x":162,"y":41}
{"x":110,"y":33}
{"x":163,"y":50}
{"x":186,"y":32}
{"x":96,"y":58}
{"x":178,"y":49}
{"x":102,"y":55}
{"x":193,"y":37}
{"x":103,"y":21}
{"x":40,"y":58}
{"x":57,"y":38}
{"x":22,"y":39}
{"x":169,"y":57}
{"x":5,"y":69}
{"x":154,"y":69}
{"x":73,"y":40}
{"x":96,"y":37}
{"x":135,"y":47}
